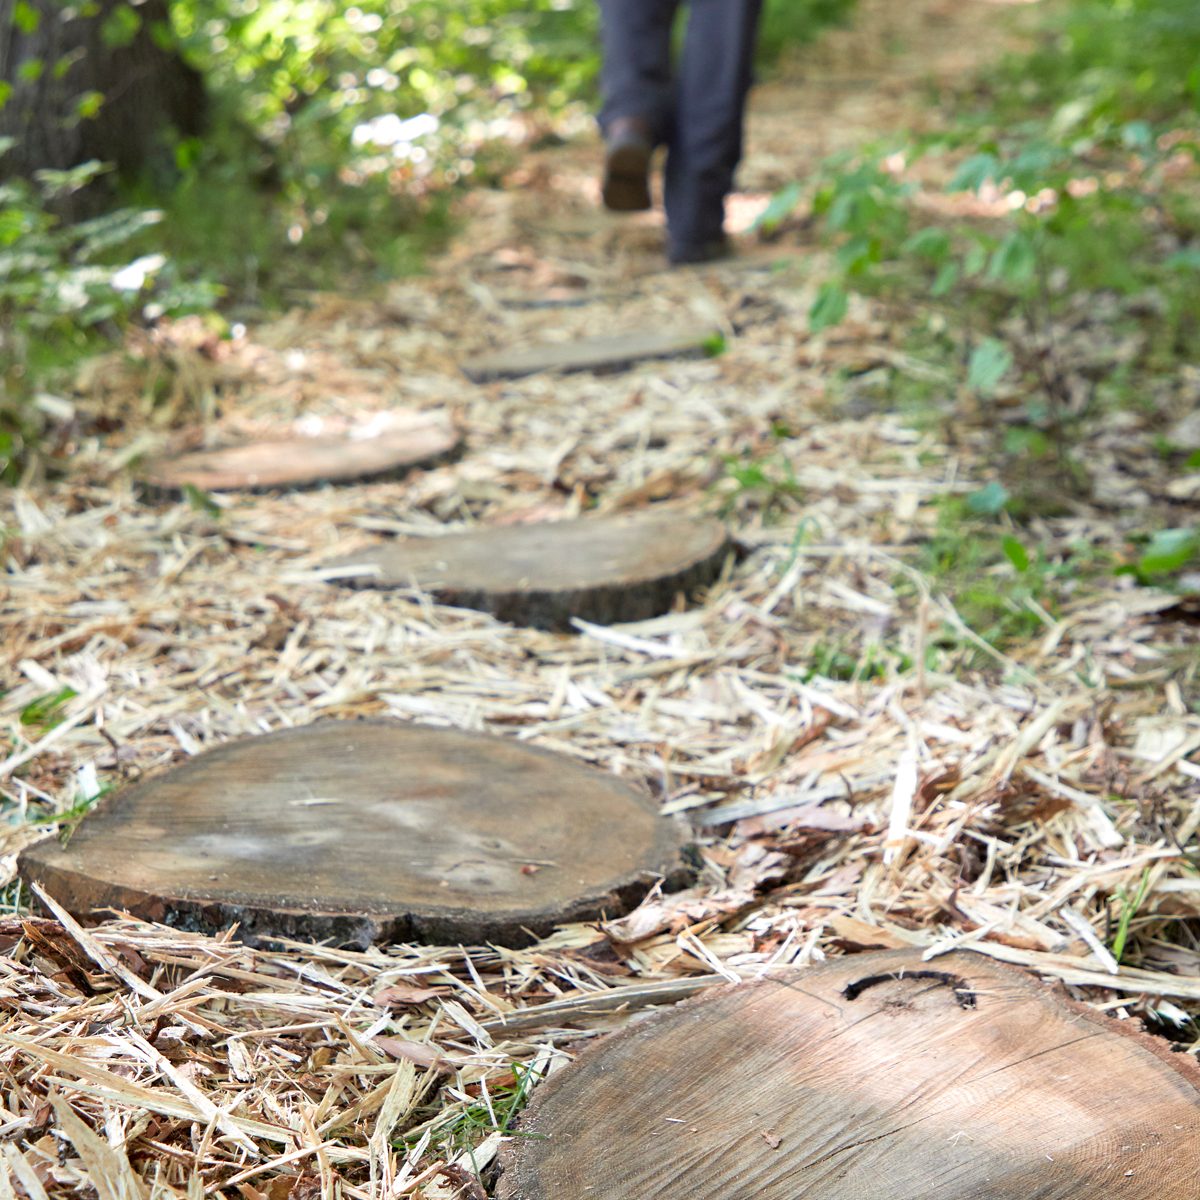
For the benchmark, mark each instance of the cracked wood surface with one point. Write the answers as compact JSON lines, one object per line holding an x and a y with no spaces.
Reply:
{"x":873,"y":1077}
{"x":366,"y":830}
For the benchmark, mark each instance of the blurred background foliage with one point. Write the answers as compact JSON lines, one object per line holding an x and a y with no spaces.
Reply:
{"x":290,"y":145}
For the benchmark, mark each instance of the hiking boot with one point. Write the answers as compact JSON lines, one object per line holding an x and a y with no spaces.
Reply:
{"x":629,"y":146}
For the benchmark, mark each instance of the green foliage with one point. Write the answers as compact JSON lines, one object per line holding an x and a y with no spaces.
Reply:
{"x":474,"y":1120}
{"x":991,"y":360}
{"x":64,"y":286}
{"x":767,"y":482}
{"x":1130,"y":904}
{"x":47,"y":711}
{"x":1167,"y":552}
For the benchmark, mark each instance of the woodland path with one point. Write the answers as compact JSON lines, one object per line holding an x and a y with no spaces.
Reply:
{"x":890,"y":809}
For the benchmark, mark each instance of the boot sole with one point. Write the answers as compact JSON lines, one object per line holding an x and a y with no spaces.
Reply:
{"x":626,"y":186}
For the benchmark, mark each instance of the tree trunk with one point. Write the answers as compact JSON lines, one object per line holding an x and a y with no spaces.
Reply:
{"x":92,"y":87}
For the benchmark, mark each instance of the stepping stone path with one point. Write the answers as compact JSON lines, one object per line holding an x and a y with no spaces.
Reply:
{"x":587,"y":354}
{"x":874,"y":1077}
{"x":306,"y":461}
{"x":361,"y":831}
{"x":603,"y":569}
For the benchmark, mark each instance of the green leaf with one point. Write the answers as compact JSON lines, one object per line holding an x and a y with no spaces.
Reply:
{"x":25,"y":17}
{"x":829,"y":308}
{"x":1014,"y":261}
{"x":783,"y":203}
{"x":857,"y":255}
{"x":715,"y":345}
{"x":975,"y":172}
{"x":200,"y":500}
{"x":1138,"y":135}
{"x":120,"y":27}
{"x":990,"y":362}
{"x":933,"y":244}
{"x":947,"y":277}
{"x":1015,"y":553}
{"x":989,"y":500}
{"x":45,"y":710}
{"x":88,"y":105}
{"x":1169,"y":550}
{"x":1025,"y":439}
{"x":975,"y":260}
{"x":30,"y":71}
{"x":6,"y":91}
{"x":1185,"y":260}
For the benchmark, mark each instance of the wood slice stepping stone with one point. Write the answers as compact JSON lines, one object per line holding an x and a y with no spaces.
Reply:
{"x":874,"y":1077}
{"x":298,"y":462}
{"x":603,"y":569}
{"x":361,"y":831}
{"x":589,"y":354}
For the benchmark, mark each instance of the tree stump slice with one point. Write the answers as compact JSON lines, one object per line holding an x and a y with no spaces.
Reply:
{"x":300,"y":462}
{"x":874,"y":1077}
{"x":589,"y":354}
{"x":362,"y":831}
{"x":603,"y":569}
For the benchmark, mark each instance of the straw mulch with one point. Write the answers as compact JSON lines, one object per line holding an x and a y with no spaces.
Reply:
{"x":950,"y":796}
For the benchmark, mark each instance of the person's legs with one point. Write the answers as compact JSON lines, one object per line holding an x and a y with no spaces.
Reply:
{"x":706,"y":144}
{"x":636,"y":74}
{"x":636,"y":81}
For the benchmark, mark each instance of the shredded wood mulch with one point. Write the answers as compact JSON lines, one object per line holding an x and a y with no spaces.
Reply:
{"x":1024,"y":804}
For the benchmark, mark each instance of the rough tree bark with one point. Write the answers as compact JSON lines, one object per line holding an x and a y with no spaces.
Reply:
{"x":117,"y":51}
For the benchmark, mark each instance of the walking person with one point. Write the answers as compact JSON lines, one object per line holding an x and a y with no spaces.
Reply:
{"x":696,"y":110}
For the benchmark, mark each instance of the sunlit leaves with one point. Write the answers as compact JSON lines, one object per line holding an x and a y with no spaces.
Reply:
{"x":120,"y":27}
{"x":25,"y":17}
{"x":88,"y":105}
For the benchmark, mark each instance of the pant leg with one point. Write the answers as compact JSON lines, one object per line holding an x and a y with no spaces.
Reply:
{"x":706,"y":142}
{"x":636,"y":75}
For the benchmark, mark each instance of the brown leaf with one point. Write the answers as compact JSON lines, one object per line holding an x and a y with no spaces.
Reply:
{"x":772,"y":1139}
{"x":398,"y":995}
{"x":673,"y":913}
{"x":801,"y":818}
{"x":421,"y":1053}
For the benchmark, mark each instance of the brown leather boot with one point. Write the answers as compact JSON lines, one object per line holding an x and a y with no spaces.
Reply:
{"x":629,"y":147}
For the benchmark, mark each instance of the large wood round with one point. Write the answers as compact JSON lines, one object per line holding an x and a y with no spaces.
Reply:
{"x":875,"y":1077}
{"x":298,"y":462}
{"x":363,"y":831}
{"x":601,"y":569}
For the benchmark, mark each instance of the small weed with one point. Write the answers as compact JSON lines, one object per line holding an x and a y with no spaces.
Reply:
{"x":1129,"y":909}
{"x":769,"y":482}
{"x":837,"y":661}
{"x":47,"y":711}
{"x":14,"y":898}
{"x":494,"y":1112}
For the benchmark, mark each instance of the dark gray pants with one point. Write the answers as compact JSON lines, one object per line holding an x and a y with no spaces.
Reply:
{"x":698,"y":111}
